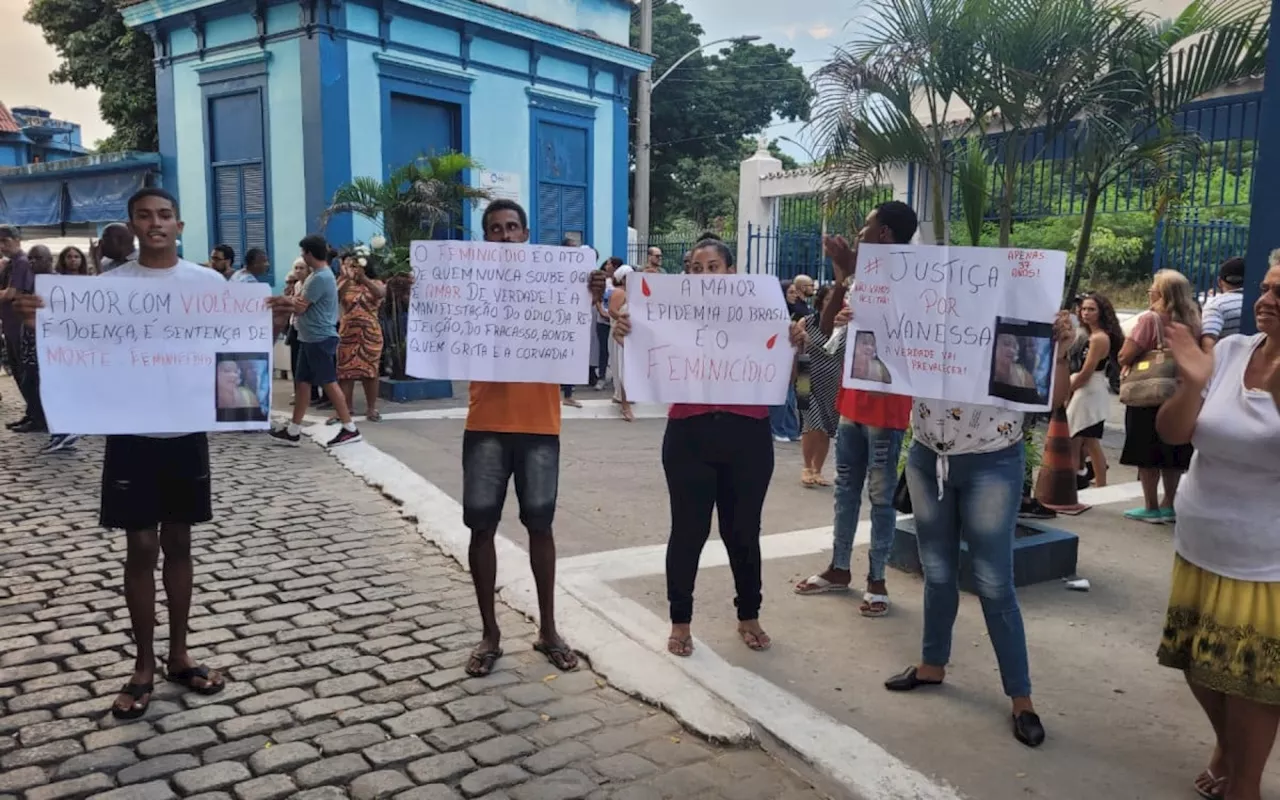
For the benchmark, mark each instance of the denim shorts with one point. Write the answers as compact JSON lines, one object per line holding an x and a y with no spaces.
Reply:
{"x":318,"y":362}
{"x":490,"y":460}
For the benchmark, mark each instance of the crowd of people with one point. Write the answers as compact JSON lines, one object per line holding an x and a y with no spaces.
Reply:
{"x":1202,"y":418}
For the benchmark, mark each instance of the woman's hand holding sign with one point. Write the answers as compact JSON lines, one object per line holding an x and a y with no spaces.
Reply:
{"x":844,"y":257}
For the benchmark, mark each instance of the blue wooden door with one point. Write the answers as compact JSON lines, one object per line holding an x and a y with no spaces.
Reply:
{"x":237,"y":169}
{"x":563,"y":174}
{"x":422,"y":127}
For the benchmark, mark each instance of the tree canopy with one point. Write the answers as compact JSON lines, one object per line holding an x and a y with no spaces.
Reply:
{"x":702,"y":113}
{"x":98,"y":51}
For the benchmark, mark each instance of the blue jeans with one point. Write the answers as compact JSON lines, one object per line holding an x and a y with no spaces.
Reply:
{"x":980,"y":502}
{"x":865,"y":454}
{"x":784,"y":421}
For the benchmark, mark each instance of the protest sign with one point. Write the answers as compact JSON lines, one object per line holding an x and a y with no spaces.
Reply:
{"x":132,"y":355}
{"x":719,"y":339}
{"x":486,"y":311}
{"x":965,"y":324}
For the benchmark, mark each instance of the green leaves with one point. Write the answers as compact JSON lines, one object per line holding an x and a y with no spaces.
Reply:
{"x":415,"y":201}
{"x":705,"y":109}
{"x":98,"y":50}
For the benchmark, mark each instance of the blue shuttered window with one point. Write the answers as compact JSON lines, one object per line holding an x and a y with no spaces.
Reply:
{"x":237,"y":167}
{"x":563,"y":172}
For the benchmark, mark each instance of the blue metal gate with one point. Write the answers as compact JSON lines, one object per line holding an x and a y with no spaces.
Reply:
{"x":787,"y":253}
{"x":1197,"y":248}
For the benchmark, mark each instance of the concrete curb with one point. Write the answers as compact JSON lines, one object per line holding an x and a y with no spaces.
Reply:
{"x":631,"y":668}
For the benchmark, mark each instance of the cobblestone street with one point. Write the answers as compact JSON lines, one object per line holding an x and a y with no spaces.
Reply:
{"x":342,"y":634}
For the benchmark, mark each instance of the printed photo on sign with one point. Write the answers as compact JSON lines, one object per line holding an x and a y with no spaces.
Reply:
{"x":958,"y":324}
{"x":867,"y":365}
{"x":1021,"y":361}
{"x":242,"y":387}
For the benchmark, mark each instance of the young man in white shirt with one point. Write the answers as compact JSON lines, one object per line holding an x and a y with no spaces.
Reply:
{"x":156,"y":486}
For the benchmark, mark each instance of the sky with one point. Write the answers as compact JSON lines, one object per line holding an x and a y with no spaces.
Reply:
{"x":24,"y":81}
{"x":813,"y":28}
{"x":810,"y":27}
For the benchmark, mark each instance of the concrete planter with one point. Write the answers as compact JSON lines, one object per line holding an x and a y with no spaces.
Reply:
{"x":1040,"y":553}
{"x":406,"y":390}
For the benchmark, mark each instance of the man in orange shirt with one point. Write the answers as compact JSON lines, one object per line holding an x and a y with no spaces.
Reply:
{"x":870,"y":435}
{"x":513,"y":430}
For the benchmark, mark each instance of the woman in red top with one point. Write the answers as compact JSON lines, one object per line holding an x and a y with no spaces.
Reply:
{"x":716,"y":457}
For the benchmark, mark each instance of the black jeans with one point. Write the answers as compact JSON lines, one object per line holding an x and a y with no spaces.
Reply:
{"x":724,"y":461}
{"x":602,"y":339}
{"x":28,"y":378}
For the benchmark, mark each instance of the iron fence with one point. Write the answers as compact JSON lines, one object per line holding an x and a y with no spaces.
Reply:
{"x":787,"y":253}
{"x":1197,"y":248}
{"x":1048,"y":183}
{"x":673,"y":249}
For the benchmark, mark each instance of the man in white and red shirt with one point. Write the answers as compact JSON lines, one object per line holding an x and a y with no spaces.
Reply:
{"x":872,"y":425}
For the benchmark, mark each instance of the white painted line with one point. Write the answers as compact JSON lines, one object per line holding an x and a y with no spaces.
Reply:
{"x":843,"y":753}
{"x":629,"y":666}
{"x":638,"y":562}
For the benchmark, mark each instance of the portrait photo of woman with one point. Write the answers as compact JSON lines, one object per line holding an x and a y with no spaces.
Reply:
{"x":867,"y":365}
{"x":238,"y":379}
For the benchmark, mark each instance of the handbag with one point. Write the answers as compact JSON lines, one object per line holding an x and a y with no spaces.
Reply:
{"x":902,"y":495}
{"x":1152,"y":379}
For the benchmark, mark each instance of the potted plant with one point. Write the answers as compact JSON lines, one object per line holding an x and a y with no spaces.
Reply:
{"x":424,"y":199}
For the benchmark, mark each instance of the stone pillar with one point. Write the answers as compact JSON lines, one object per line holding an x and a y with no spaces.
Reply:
{"x":753,"y":208}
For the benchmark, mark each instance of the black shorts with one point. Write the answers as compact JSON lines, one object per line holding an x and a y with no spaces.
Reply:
{"x":489,"y":460}
{"x":318,"y":362}
{"x":148,"y":481}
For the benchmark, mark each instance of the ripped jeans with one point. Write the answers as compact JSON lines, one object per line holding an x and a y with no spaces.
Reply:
{"x":865,"y":455}
{"x":979,"y":504}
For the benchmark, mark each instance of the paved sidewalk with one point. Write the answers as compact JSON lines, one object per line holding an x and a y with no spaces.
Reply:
{"x":343,"y":634}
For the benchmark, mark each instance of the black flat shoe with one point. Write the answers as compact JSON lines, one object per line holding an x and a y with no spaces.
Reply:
{"x":17,"y":423}
{"x":907,"y":680}
{"x":1028,"y":730}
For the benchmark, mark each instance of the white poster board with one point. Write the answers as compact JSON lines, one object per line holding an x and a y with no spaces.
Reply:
{"x":486,"y":311}
{"x":965,"y":324}
{"x":718,"y":339}
{"x":132,"y":355}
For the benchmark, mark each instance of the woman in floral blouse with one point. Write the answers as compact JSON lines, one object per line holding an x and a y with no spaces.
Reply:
{"x":964,"y":472}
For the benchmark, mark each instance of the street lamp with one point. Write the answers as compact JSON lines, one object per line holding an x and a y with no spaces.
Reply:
{"x":644,"y":91}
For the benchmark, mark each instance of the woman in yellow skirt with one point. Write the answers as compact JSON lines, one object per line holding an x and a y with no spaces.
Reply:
{"x":1223,"y":624}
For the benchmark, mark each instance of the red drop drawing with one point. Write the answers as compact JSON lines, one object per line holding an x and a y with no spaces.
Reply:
{"x":644,"y":287}
{"x":772,"y":341}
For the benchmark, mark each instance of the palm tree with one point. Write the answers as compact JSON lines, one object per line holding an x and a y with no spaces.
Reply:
{"x":1159,"y":66}
{"x":1034,"y":70}
{"x":417,"y":201}
{"x":972,"y":183}
{"x":888,"y":99}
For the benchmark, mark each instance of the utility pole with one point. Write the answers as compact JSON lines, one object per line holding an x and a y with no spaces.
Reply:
{"x":644,"y":95}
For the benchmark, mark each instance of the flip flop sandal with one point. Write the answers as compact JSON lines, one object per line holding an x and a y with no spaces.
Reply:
{"x":332,"y":421}
{"x":187,"y":678}
{"x":559,"y":654}
{"x":681,"y":646}
{"x":807,"y":480}
{"x":816,"y":584}
{"x":137,"y":691}
{"x":373,"y":416}
{"x":818,"y":480}
{"x":481,"y":662}
{"x":869,"y":603}
{"x":1216,"y":787}
{"x":758,"y":642}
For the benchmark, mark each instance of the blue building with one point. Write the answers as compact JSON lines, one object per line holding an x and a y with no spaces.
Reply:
{"x":266,"y":107}
{"x":30,"y":135}
{"x":52,"y":186}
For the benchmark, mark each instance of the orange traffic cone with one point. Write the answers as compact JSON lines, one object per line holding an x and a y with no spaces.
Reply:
{"x":1056,"y":483}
